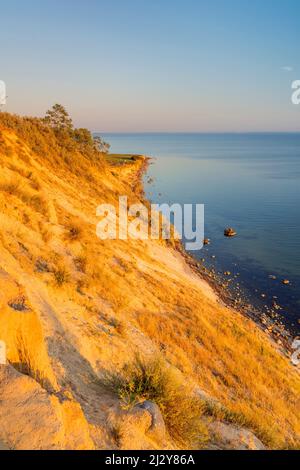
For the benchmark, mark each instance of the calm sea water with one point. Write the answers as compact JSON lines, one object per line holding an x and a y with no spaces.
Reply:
{"x":250,"y":182}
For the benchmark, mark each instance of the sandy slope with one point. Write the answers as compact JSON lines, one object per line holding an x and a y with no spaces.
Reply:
{"x":113,"y":299}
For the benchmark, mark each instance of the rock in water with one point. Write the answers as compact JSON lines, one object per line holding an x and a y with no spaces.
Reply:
{"x":230,"y":232}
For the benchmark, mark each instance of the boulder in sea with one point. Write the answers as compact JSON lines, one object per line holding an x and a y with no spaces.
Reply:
{"x":206,"y":241}
{"x":285,"y":282}
{"x":230,"y":232}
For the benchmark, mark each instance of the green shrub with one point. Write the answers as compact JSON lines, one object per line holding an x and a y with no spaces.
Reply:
{"x":154,"y":380}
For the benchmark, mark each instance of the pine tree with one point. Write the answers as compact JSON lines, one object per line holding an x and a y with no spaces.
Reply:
{"x":58,"y":118}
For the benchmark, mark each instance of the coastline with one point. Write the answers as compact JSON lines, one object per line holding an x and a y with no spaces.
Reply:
{"x":92,"y":306}
{"x":281,"y":337}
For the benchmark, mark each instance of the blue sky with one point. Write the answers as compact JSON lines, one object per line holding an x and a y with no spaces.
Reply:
{"x":155,"y":65}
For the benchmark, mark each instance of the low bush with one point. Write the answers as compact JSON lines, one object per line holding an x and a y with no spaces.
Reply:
{"x":74,"y":148}
{"x":154,"y":380}
{"x":61,"y":276}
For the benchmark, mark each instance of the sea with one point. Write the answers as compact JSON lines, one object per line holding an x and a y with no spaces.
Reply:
{"x":250,"y":182}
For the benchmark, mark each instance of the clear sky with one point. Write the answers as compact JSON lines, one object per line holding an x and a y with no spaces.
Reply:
{"x":154,"y":65}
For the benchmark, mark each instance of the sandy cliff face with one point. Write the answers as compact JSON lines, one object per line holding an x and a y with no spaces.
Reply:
{"x":73,"y":307}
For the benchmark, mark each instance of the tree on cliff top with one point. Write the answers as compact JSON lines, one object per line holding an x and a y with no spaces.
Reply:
{"x":58,"y":118}
{"x":100,"y":145}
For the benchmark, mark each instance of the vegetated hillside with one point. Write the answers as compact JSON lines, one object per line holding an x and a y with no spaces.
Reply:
{"x":94,"y":328}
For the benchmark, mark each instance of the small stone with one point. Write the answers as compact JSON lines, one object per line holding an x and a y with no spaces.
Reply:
{"x":275,"y":305}
{"x":272,"y":277}
{"x":285,"y":282}
{"x":227,"y":273}
{"x":157,"y":427}
{"x":233,"y":437}
{"x":229,"y":232}
{"x":206,"y":241}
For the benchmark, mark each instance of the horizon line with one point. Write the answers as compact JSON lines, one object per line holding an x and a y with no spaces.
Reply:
{"x":197,"y":132}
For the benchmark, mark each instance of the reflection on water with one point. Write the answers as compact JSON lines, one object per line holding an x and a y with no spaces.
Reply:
{"x":250,"y":182}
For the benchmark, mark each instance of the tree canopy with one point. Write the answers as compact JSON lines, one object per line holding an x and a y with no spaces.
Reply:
{"x":101,"y":145}
{"x":58,"y":118}
{"x":60,"y":121}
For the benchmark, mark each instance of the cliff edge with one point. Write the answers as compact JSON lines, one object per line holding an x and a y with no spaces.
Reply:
{"x":88,"y":324}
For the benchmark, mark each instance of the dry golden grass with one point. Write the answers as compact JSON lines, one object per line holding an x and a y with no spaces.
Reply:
{"x":27,"y":363}
{"x":15,"y":187}
{"x":74,"y":232}
{"x":61,"y":275}
{"x":243,"y":371}
{"x":154,"y":303}
{"x":153,"y":380}
{"x":81,"y":263}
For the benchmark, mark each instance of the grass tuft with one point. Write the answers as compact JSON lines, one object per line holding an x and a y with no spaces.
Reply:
{"x":61,"y":276}
{"x":74,"y":232}
{"x":154,"y":380}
